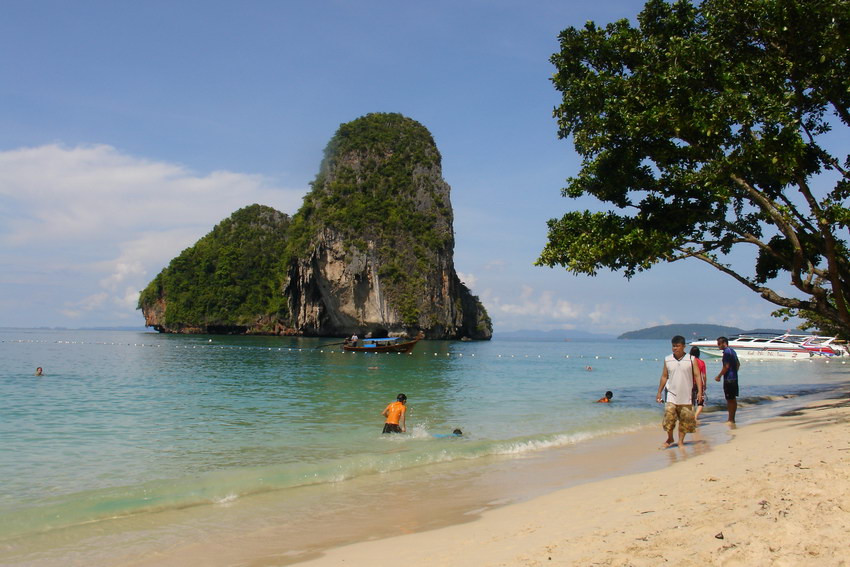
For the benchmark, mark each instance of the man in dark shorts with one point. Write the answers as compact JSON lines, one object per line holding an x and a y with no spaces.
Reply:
{"x":729,"y":372}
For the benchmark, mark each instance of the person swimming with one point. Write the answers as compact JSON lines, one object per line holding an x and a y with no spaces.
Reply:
{"x":606,"y":399}
{"x":455,"y":433}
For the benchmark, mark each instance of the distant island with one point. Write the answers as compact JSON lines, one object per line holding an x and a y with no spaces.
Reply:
{"x":692,"y":331}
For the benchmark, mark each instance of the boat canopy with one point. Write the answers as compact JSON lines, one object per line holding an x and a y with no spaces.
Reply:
{"x":366,"y":343}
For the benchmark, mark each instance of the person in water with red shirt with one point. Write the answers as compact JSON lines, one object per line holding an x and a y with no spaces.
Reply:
{"x":395,"y":414}
{"x":698,"y":404}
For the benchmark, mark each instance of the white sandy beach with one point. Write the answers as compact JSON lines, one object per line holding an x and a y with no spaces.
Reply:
{"x":777,"y":494}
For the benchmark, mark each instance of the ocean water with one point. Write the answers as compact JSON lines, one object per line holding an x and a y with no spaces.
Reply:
{"x":128,"y":430}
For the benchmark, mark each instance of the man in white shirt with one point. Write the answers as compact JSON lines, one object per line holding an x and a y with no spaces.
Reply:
{"x":679,"y":376}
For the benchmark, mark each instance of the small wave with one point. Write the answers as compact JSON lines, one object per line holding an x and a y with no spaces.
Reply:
{"x":533,"y":445}
{"x":523,"y":446}
{"x":756,"y":400}
{"x":226,"y":500}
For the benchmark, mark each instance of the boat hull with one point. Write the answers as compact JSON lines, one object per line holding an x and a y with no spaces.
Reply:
{"x":747,"y":352}
{"x":780,"y":347}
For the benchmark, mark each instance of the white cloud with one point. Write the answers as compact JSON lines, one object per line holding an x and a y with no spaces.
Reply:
{"x":533,"y":307}
{"x":93,"y":191}
{"x":469,"y":279}
{"x":76,"y":308}
{"x":105,"y":222}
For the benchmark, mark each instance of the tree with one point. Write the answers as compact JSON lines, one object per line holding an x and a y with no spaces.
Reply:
{"x":706,"y":128}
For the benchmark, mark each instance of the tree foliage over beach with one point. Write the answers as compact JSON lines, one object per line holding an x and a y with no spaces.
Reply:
{"x":710,"y":128}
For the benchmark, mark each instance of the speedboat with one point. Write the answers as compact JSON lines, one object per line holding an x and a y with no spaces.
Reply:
{"x":777,"y":346}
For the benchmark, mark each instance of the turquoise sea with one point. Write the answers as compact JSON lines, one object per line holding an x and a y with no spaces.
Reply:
{"x":136,"y":441}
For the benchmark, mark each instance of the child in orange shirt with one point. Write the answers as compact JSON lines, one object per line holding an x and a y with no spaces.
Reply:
{"x":395,"y":414}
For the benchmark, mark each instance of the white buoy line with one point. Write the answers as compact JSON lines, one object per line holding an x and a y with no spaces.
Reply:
{"x":314,"y":350}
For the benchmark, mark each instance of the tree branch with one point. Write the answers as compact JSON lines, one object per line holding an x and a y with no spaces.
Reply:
{"x":830,"y":252}
{"x":799,"y":259}
{"x":763,"y":291}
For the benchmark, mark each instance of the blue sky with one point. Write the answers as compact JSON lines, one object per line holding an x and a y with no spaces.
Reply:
{"x":131,"y":128}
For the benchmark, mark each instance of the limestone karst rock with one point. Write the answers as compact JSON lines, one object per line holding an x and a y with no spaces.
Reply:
{"x":370,"y":250}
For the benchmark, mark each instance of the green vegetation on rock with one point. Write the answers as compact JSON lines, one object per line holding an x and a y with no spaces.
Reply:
{"x":374,"y":169}
{"x":230,"y":278}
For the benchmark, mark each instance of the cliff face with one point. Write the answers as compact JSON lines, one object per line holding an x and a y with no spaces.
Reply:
{"x":376,"y":240}
{"x":370,"y":251}
{"x":335,"y":292}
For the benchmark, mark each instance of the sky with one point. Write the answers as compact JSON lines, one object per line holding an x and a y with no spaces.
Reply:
{"x":130,"y":129}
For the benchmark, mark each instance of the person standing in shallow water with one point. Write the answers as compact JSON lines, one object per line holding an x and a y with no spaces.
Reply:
{"x":729,"y":372}
{"x":679,"y":375}
{"x":699,"y":404}
{"x":395,"y":414}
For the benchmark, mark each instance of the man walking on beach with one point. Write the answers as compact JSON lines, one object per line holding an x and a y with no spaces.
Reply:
{"x":729,"y":372}
{"x":679,"y":375}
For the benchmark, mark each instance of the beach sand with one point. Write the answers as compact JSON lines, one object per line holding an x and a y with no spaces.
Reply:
{"x":778,"y":493}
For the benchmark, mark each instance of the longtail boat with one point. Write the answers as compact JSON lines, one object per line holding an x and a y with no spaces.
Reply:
{"x":390,"y":344}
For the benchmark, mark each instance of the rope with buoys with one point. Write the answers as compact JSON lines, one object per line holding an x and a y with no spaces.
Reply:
{"x":448,"y":354}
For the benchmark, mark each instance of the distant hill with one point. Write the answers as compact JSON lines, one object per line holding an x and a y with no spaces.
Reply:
{"x":555,"y":335}
{"x":691,"y":331}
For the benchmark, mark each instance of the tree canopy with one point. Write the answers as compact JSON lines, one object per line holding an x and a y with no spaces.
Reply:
{"x":709,"y":128}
